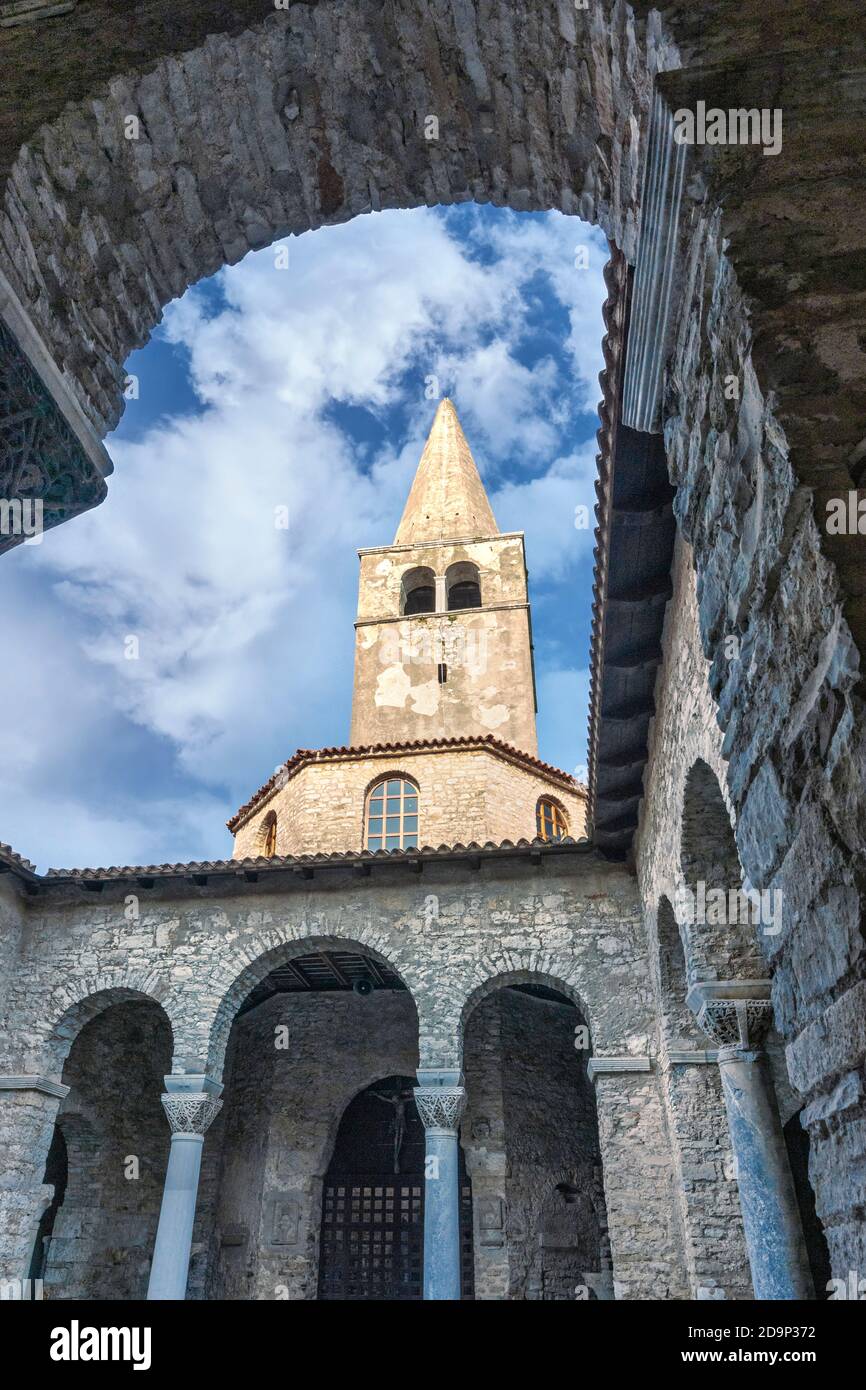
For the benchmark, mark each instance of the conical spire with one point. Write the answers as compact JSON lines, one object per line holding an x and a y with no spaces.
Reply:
{"x":447,"y":500}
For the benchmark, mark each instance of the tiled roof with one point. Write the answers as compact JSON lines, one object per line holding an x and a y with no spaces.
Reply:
{"x":423,"y":745}
{"x":16,"y":863}
{"x":241,"y":867}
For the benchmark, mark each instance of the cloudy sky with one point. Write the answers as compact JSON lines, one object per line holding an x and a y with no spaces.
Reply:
{"x":304,"y":378}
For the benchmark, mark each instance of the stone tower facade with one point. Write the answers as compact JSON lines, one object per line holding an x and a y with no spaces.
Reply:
{"x":444,"y":692}
{"x":443,"y":638}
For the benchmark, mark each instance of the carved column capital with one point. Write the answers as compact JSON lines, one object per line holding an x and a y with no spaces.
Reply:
{"x":441,"y":1105}
{"x":735,"y":1014}
{"x":191,"y":1113}
{"x":191,"y":1103}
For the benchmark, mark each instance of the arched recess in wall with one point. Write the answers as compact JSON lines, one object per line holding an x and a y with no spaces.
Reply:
{"x":530,"y":1134}
{"x":463,"y":586}
{"x":678,"y":1022}
{"x":418,"y":591}
{"x":721,"y":923}
{"x":108,"y":1156}
{"x":266,"y":836}
{"x":371,"y":1238}
{"x":324,"y":1020}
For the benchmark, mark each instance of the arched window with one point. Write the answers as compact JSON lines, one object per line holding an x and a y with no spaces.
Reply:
{"x":418,"y":591}
{"x":391,"y":821}
{"x":462,"y":586}
{"x":268,"y":835}
{"x":550,"y":820}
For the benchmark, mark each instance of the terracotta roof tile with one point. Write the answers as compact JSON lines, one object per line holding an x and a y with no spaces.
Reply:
{"x":304,"y":756}
{"x":238,"y":867}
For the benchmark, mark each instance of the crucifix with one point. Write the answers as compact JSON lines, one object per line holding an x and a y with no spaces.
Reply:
{"x":399,"y":1099}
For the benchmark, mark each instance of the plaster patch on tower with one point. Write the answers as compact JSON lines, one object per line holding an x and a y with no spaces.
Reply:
{"x":394,"y":688}
{"x":493,"y":716}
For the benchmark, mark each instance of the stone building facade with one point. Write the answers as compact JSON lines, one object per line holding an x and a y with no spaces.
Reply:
{"x":718,"y":1109}
{"x":509,"y":970}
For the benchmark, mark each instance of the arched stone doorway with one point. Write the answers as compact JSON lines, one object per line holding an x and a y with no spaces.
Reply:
{"x":107,"y":1159}
{"x":372,"y":1237}
{"x":531,"y":1141}
{"x":326,"y":1021}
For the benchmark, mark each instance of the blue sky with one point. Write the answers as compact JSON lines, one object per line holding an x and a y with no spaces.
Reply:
{"x":305,"y":377}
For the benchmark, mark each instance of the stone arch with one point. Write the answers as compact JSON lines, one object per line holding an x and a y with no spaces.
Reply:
{"x":114,"y":1129}
{"x":368,"y":1079}
{"x":265,"y":835}
{"x":531,"y":1138}
{"x":418,"y":591}
{"x":502,"y":979}
{"x":677,"y":1020}
{"x":68,"y":1015}
{"x":722,"y":918}
{"x":708,"y":848}
{"x":463,"y":586}
{"x":236,"y":984}
{"x":311,"y":117}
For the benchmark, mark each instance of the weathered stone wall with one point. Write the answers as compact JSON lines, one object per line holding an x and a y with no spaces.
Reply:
{"x":529,"y":1128}
{"x":465,"y":797}
{"x":454,"y":936}
{"x":685,"y":734}
{"x":555,"y":1237}
{"x":311,"y":117}
{"x":704,"y":1187}
{"x":11,"y":922}
{"x":787,"y":675}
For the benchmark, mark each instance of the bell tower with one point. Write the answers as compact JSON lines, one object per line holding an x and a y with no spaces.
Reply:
{"x":443,"y":645}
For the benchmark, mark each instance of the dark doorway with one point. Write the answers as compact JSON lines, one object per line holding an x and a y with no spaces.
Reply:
{"x":372,"y":1238}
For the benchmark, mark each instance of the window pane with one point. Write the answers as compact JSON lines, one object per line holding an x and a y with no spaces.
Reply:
{"x":392,"y":825}
{"x":393,"y":805}
{"x":394,"y":788}
{"x":376,"y":806}
{"x":376,"y":825}
{"x":410,"y":823}
{"x":410,"y":842}
{"x":410,"y":805}
{"x":375,"y":842}
{"x":392,"y":842}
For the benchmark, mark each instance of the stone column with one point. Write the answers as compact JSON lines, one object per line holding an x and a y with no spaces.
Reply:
{"x":440,"y":1098}
{"x":191,"y":1103}
{"x":737,"y":1014}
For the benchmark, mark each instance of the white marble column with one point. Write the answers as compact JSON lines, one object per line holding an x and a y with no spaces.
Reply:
{"x":737,"y":1015}
{"x":440,"y":1099}
{"x":191,"y":1103}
